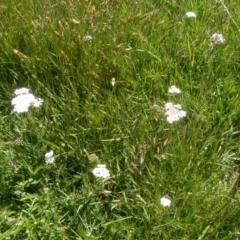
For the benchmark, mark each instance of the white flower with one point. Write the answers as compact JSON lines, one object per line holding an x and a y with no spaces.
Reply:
{"x":75,"y":21}
{"x":24,"y":100}
{"x":49,"y":157}
{"x":113,"y":81}
{"x":190,"y":15}
{"x":174,"y":112}
{"x":87,"y":38}
{"x":101,"y":171}
{"x":21,"y":91}
{"x":174,"y":89}
{"x":37,"y":102}
{"x":165,"y":202}
{"x":215,"y":39}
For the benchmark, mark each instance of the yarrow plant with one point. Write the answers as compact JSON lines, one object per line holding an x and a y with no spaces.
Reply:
{"x":174,"y":89}
{"x":101,"y":171}
{"x":174,"y":112}
{"x":165,"y":201}
{"x":190,"y":15}
{"x":216,"y":39}
{"x":49,"y":157}
{"x":23,"y":100}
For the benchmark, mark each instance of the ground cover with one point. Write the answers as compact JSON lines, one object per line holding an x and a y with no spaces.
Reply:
{"x":119,"y":119}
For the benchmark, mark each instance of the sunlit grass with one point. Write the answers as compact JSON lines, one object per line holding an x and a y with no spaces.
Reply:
{"x":103,"y":70}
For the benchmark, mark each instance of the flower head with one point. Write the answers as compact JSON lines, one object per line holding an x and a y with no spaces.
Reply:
{"x":174,"y":89}
{"x":23,"y":100}
{"x":37,"y":102}
{"x":93,"y":157}
{"x":216,"y":39}
{"x":20,"y":91}
{"x":113,"y":81}
{"x":87,"y":38}
{"x":75,"y":21}
{"x":174,"y":112}
{"x":190,"y":15}
{"x":49,"y":157}
{"x":165,"y":201}
{"x":101,"y":171}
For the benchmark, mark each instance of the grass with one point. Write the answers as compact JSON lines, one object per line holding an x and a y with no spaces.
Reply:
{"x":146,"y":46}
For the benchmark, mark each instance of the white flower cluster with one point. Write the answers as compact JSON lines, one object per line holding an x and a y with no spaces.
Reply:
{"x":174,"y":89}
{"x":165,"y":201}
{"x":23,"y":100}
{"x":49,"y":157}
{"x":216,"y":39}
{"x":190,"y":15}
{"x":75,"y":21}
{"x":174,"y":112}
{"x":101,"y":171}
{"x":87,"y":38}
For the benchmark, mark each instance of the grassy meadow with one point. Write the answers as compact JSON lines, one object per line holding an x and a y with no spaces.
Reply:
{"x":103,"y":70}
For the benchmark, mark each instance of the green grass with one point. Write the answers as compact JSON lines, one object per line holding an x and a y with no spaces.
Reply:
{"x":147,"y":46}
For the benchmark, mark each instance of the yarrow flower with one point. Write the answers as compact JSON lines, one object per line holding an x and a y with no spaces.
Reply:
{"x":87,"y":38}
{"x":21,"y":91}
{"x":23,"y":100}
{"x":75,"y":21}
{"x":113,"y":81}
{"x":216,"y":39}
{"x":165,"y":201}
{"x":49,"y":157}
{"x":174,"y":112}
{"x":101,"y":171}
{"x":190,"y":15}
{"x":174,"y":89}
